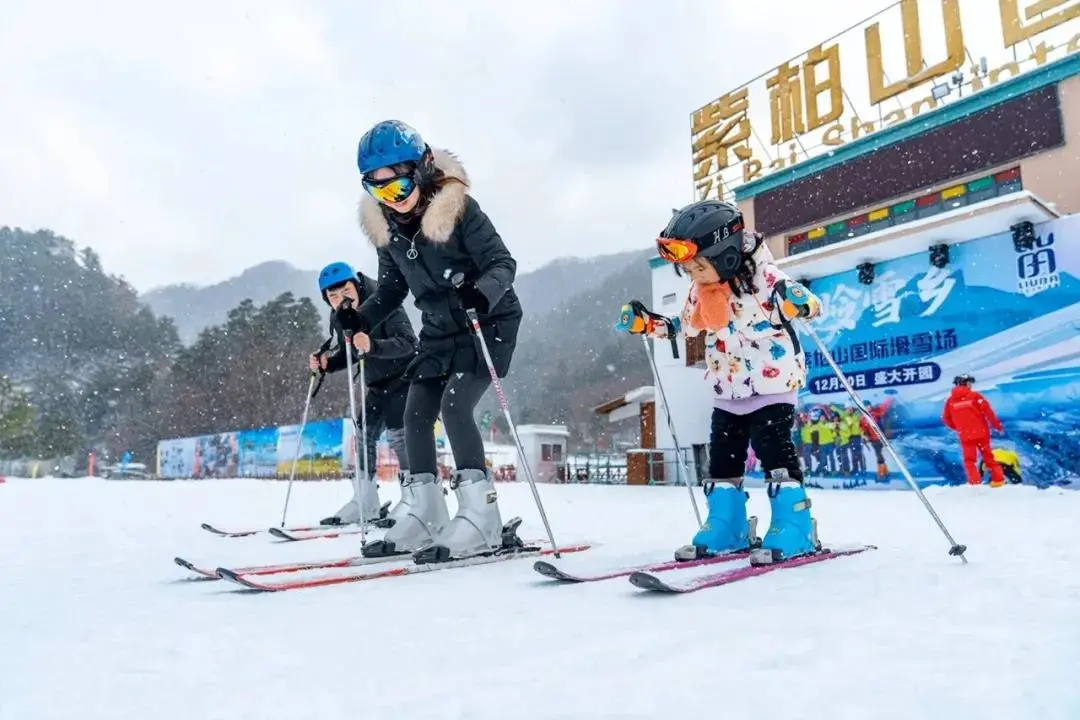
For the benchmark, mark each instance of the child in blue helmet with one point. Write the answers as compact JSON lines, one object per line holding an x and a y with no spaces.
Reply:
{"x":387,"y":349}
{"x":434,"y":241}
{"x":745,"y":305}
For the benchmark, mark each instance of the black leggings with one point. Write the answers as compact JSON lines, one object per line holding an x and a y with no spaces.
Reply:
{"x":455,"y":397}
{"x":768,"y":430}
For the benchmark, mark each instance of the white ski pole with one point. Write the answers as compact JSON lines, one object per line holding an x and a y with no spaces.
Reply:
{"x":359,"y":441}
{"x":671,"y":429}
{"x":363,"y":421}
{"x":299,"y":445}
{"x":955,"y":548}
{"x":457,"y":280}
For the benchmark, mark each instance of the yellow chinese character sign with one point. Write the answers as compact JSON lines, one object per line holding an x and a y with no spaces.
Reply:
{"x":913,"y":57}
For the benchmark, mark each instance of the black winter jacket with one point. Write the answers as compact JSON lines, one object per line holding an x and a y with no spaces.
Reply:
{"x":393,"y":344}
{"x":455,"y":236}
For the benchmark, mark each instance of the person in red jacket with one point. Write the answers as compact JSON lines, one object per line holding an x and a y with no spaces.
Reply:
{"x":878,"y":412}
{"x":969,"y":414}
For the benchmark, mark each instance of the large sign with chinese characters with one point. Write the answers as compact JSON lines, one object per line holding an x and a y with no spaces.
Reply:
{"x":909,"y":59}
{"x":1009,"y":316}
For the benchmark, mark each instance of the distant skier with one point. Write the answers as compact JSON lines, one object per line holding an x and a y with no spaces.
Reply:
{"x":434,"y":240}
{"x":969,"y":414}
{"x":388,"y":350}
{"x":877,"y":411}
{"x":745,"y":304}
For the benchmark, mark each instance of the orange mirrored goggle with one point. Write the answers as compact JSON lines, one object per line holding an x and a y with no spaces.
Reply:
{"x":391,"y":190}
{"x":676,"y":250}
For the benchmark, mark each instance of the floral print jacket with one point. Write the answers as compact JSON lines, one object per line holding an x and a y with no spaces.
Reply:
{"x":757,"y":353}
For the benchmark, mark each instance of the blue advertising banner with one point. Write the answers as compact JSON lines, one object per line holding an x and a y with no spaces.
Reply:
{"x":258,"y":452}
{"x":320,"y":448}
{"x":1010,"y":318}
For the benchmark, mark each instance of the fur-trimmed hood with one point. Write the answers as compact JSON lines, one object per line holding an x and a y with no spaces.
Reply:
{"x":442,"y":214}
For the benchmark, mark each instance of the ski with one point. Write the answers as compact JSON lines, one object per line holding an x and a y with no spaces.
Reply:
{"x":551,"y":571}
{"x":247,"y":533}
{"x":649,"y":582}
{"x":320,"y":533}
{"x":255,"y":570}
{"x":249,"y":583}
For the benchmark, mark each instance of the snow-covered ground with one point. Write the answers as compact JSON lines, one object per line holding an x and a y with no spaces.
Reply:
{"x":97,"y":622}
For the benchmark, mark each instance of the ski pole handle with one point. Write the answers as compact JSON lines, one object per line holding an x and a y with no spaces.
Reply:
{"x":457,"y":280}
{"x":637,"y":319}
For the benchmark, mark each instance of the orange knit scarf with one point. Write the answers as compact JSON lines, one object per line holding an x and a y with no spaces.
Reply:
{"x":712,"y":308}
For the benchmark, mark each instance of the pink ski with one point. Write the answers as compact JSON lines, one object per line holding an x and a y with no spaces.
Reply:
{"x":550,"y":570}
{"x":647,"y":581}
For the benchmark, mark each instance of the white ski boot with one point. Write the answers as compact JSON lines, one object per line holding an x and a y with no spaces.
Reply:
{"x":364,"y":504}
{"x":425,"y":515}
{"x":399,"y":511}
{"x":476,"y":529}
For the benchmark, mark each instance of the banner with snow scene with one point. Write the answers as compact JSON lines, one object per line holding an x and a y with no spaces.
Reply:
{"x":258,"y":452}
{"x":1011,"y":319}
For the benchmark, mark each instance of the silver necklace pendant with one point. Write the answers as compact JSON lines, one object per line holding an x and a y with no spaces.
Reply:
{"x":411,"y":253}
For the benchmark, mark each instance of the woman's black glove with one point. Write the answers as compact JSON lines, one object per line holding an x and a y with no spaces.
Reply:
{"x":472,"y":298}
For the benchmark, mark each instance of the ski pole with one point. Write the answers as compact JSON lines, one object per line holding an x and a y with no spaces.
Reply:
{"x":364,"y":428}
{"x":359,"y":442}
{"x":955,"y":548}
{"x":671,"y":429}
{"x":312,"y":389}
{"x":632,"y":312}
{"x":474,"y":320}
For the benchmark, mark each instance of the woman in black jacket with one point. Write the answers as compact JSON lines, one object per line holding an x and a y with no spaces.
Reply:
{"x":429,"y":233}
{"x":387,"y":351}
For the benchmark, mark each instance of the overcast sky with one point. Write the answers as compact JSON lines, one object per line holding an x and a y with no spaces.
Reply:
{"x":188,"y":141}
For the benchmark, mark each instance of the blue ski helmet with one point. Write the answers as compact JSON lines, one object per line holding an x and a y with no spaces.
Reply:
{"x":389,"y":143}
{"x":335,"y":274}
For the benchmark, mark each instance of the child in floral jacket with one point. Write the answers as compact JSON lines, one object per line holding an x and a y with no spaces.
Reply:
{"x":745,"y":305}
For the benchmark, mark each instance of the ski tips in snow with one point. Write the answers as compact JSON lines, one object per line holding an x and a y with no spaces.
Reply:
{"x":228,"y":533}
{"x":202,"y":573}
{"x":299,"y":532}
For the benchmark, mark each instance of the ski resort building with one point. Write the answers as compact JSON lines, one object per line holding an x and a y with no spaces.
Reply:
{"x":922,"y":180}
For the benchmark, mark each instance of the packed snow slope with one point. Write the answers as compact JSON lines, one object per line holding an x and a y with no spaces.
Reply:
{"x":96,"y":622}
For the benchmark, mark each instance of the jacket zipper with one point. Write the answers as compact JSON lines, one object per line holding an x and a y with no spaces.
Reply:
{"x":427,"y":271}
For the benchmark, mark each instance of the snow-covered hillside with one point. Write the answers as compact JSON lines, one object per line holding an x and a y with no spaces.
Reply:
{"x":96,"y":622}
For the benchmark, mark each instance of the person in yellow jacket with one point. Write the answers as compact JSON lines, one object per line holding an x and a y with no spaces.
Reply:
{"x":852,"y":460}
{"x":826,"y":442}
{"x":1009,"y":462}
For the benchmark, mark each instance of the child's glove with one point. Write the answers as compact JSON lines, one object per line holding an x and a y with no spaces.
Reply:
{"x":795,"y":301}
{"x":636,"y":319}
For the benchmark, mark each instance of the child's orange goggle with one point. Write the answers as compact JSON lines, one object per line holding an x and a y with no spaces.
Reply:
{"x":676,"y":250}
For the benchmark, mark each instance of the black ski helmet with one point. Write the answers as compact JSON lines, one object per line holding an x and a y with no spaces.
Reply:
{"x":964,"y":379}
{"x":717,"y":230}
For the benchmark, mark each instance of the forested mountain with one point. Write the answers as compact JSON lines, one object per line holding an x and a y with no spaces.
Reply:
{"x":85,"y":363}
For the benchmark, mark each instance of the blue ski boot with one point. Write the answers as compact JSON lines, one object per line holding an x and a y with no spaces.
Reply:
{"x":727,"y":528}
{"x":792,"y":532}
